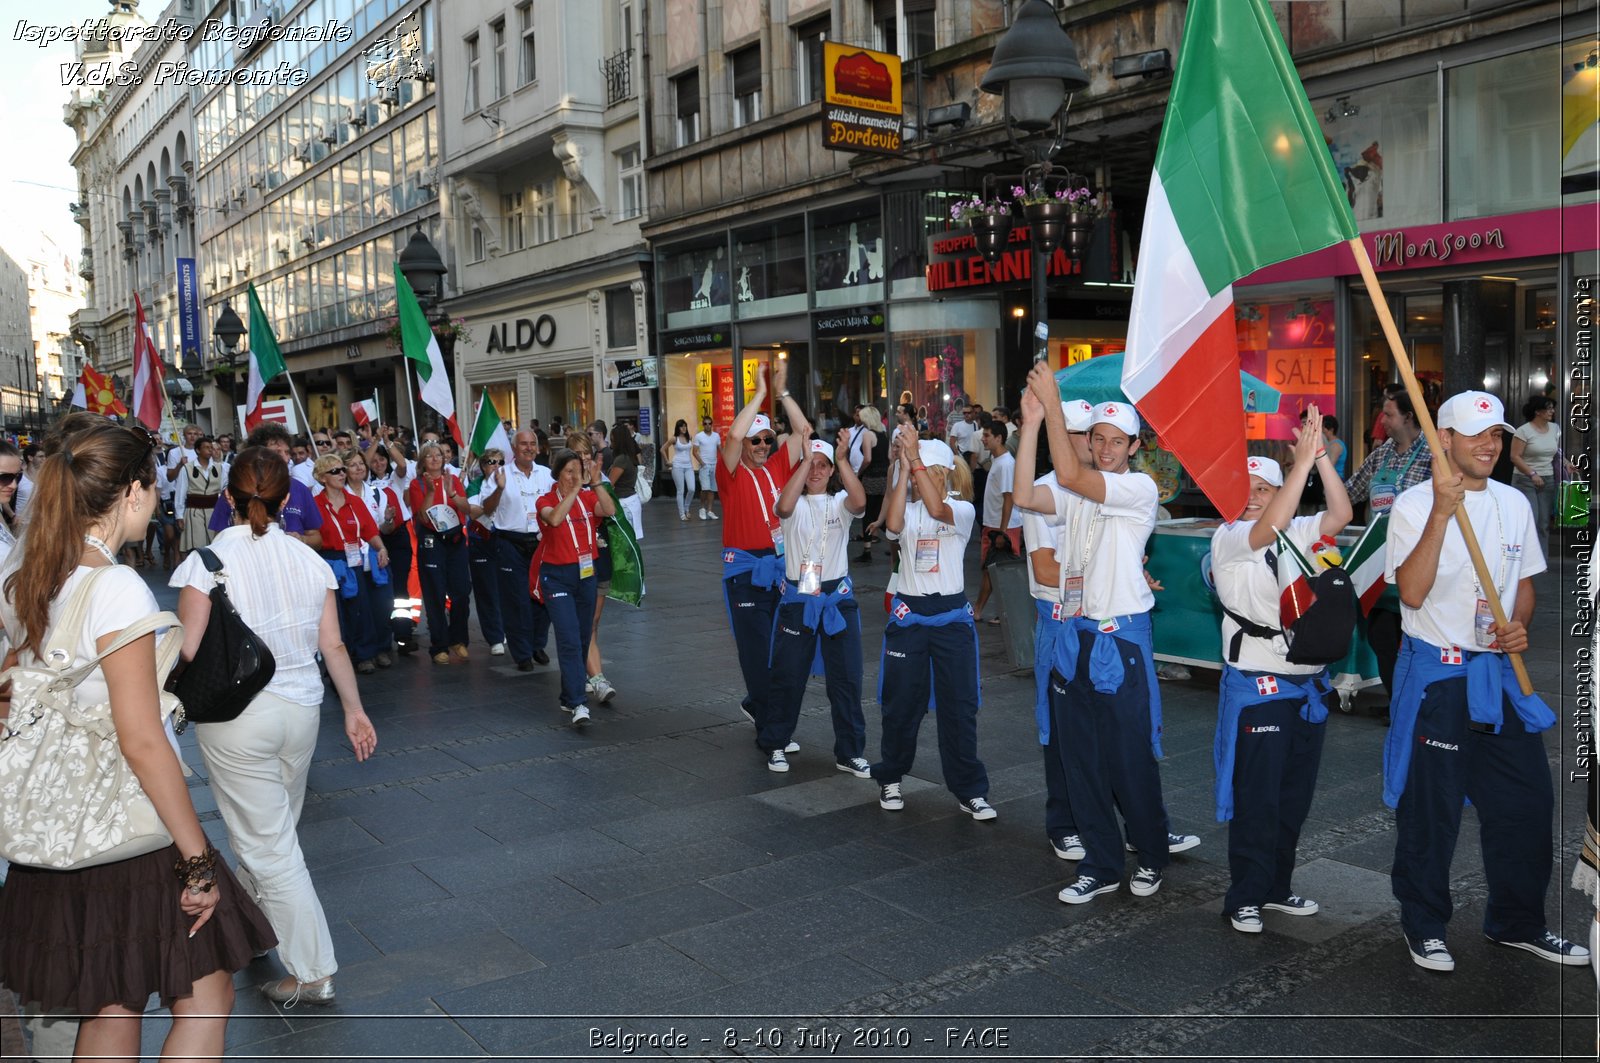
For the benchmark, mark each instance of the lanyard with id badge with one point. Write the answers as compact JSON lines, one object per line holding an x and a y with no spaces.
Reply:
{"x":769,"y":517}
{"x":585,"y":557}
{"x":1385,"y":486}
{"x":1482,"y":616}
{"x":811,"y":553}
{"x":1072,"y":580}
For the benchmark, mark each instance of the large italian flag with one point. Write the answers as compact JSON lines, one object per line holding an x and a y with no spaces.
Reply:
{"x":422,"y":347}
{"x":1243,"y":179}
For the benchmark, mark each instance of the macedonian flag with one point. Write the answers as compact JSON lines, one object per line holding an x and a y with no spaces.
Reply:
{"x":98,"y":394}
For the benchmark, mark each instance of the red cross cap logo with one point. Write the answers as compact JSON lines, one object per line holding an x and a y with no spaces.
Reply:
{"x":1484,"y":406}
{"x":1254,"y":464}
{"x":1111,"y":409}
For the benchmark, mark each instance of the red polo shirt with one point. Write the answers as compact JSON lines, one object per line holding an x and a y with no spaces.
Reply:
{"x":573,"y":536}
{"x":350,"y":523}
{"x":750,"y":500}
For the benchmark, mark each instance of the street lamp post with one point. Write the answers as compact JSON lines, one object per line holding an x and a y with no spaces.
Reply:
{"x":228,"y":331}
{"x":1035,"y":70}
{"x":425,"y":271}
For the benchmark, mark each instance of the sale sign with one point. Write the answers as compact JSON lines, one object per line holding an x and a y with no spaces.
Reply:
{"x":1290,"y":345}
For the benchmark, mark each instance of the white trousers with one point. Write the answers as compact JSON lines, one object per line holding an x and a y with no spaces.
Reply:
{"x":258,"y":765}
{"x":683,"y":480}
{"x":634,"y":508}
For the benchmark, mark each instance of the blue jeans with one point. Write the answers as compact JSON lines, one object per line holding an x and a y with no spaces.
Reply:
{"x":570,"y":602}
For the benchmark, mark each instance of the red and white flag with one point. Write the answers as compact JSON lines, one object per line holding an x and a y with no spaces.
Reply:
{"x":149,"y":387}
{"x":365,"y":411}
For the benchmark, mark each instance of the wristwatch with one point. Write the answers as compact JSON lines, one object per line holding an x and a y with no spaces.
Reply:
{"x":783,"y":394}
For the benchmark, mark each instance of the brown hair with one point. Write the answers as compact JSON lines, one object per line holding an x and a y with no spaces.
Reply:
{"x":258,"y":483}
{"x":69,"y":424}
{"x":83,"y":481}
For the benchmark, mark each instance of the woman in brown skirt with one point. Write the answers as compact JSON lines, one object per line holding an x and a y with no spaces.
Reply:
{"x":99,"y":941}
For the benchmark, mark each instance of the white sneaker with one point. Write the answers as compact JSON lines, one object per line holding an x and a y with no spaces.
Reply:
{"x":702,"y":512}
{"x":713,"y":514}
{"x":602,"y":689}
{"x":497,"y":650}
{"x":792,"y":747}
{"x":580,"y":716}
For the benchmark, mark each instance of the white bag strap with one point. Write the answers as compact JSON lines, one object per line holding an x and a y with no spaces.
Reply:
{"x":62,"y":645}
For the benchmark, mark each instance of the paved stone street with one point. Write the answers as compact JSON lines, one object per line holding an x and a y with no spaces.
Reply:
{"x":503,"y":886}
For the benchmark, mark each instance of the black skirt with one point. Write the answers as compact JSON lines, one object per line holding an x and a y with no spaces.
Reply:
{"x":79,"y":941}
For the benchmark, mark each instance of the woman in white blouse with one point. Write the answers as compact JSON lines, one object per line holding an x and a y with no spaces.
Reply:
{"x":930,"y":646}
{"x":818,"y":604}
{"x":258,"y":762}
{"x":1533,"y":456}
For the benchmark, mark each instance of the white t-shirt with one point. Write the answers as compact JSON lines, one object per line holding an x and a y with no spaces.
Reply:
{"x":1041,"y":531}
{"x":682,"y":454}
{"x":388,"y":482}
{"x":278,"y":584}
{"x":817,"y":532}
{"x":24,"y":492}
{"x":1106,"y":542}
{"x":931,"y":551}
{"x":710,"y":444}
{"x":1247,"y":586}
{"x":1503,"y":522}
{"x":302,"y":471}
{"x":1001,"y":474}
{"x":1539,"y":449}
{"x":964,"y":436}
{"x":120,"y":598}
{"x":517,"y":511}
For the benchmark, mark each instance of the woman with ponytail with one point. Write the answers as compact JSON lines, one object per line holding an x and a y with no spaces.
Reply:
{"x":98,"y":941}
{"x":258,"y":762}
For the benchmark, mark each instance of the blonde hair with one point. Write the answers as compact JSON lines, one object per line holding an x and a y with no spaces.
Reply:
{"x":327,"y":463}
{"x":957,"y":480}
{"x":872,"y":418}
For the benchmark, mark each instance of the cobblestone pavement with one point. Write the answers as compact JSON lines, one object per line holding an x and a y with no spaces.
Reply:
{"x":500,"y":885}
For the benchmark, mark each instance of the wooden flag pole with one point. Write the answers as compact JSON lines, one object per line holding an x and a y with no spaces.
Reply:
{"x":1440,"y":460}
{"x":301,"y":410}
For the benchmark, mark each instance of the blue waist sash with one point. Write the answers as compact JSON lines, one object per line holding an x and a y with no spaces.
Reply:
{"x":821,"y":610}
{"x":765,"y":569}
{"x":1240,"y":692}
{"x":348,"y":585}
{"x":1490,"y":679}
{"x":1056,"y":647}
{"x":902,"y":615}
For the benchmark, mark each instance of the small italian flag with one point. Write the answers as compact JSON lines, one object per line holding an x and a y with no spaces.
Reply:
{"x":1243,"y":179}
{"x":422,"y":347}
{"x":266,"y":361}
{"x":365,"y":411}
{"x":1365,"y":563}
{"x":1294,"y":582}
{"x":488,"y":433}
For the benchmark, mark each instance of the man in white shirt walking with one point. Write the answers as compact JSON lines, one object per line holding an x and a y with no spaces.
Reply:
{"x":509,"y":507}
{"x":708,"y":451}
{"x":1001,"y":519}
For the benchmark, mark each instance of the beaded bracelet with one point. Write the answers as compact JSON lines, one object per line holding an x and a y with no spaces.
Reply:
{"x":198,"y":873}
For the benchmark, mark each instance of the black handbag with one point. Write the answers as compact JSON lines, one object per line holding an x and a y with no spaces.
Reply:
{"x":231,"y":666}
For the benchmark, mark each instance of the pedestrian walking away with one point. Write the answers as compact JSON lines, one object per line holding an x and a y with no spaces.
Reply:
{"x":510,"y":506}
{"x":570,"y":512}
{"x":751,"y":472}
{"x":1462,"y":728}
{"x":1112,"y":722}
{"x":1272,"y":712}
{"x":930,"y":645}
{"x":819,"y":618}
{"x":258,"y":762}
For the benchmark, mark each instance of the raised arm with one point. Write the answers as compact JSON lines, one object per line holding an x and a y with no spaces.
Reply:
{"x":894,"y":505}
{"x":799,"y":426}
{"x":855,"y":493}
{"x":1023,"y":490}
{"x":1070,"y":472}
{"x":733,"y":446}
{"x":789,"y":497}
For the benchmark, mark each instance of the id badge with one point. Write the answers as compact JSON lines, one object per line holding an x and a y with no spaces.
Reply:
{"x":810,"y":579}
{"x":1381,"y":495}
{"x":777,"y":541}
{"x":1483,"y":626}
{"x":428,"y":542}
{"x":927,"y":555}
{"x":352,"y":554}
{"x":585,"y":566}
{"x":1072,"y":597}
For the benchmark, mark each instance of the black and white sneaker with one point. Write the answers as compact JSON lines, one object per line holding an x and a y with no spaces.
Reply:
{"x":1431,"y":953}
{"x":1549,"y":947}
{"x":889,"y":797}
{"x":1176,"y":843}
{"x":857,"y":766}
{"x":1293,"y":905}
{"x":977,"y":808}
{"x":1145,"y":881}
{"x":776,"y":761}
{"x":1246,"y":920}
{"x":580,"y":716}
{"x":1068,"y":847}
{"x":1086,"y":889}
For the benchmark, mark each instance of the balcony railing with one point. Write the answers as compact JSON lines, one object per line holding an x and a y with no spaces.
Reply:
{"x":618,"y":71}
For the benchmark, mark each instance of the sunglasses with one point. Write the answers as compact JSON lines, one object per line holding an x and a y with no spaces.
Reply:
{"x":764,"y":441}
{"x":492,"y":461}
{"x":335,"y":472}
{"x":9,"y":478}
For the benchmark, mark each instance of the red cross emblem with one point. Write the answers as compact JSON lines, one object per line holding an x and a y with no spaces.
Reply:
{"x":1111,"y":409}
{"x":1484,"y":406}
{"x":901,"y":610}
{"x":727,"y":557}
{"x":1266,"y":684}
{"x":1450,"y":655}
{"x":1254,"y":464}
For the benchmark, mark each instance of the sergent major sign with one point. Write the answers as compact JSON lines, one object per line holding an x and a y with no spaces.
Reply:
{"x":861,"y":103}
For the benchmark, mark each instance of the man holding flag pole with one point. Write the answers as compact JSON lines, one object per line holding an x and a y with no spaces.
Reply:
{"x":1243,"y":180}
